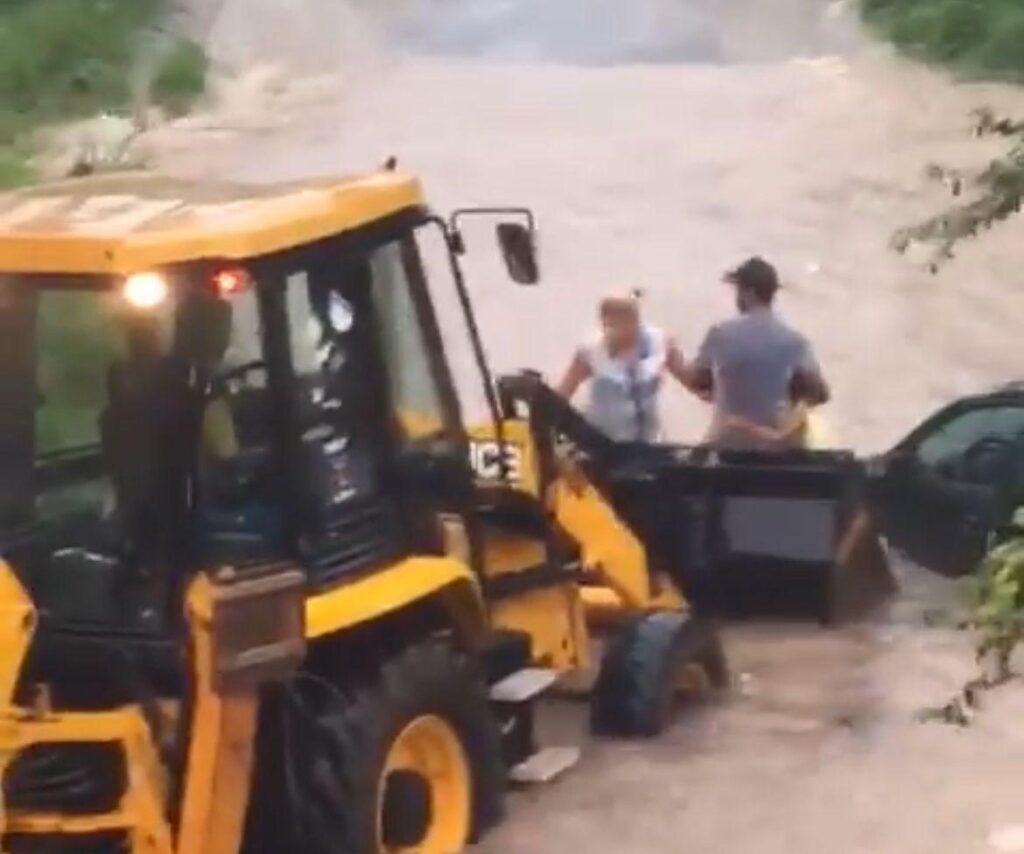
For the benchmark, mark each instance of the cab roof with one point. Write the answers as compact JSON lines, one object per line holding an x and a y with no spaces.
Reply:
{"x":125,"y":224}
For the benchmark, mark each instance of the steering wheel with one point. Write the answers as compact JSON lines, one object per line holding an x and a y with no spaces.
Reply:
{"x":240,"y":371}
{"x":983,"y":461}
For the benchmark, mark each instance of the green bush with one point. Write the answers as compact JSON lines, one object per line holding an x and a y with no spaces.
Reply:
{"x":996,"y":597}
{"x":181,"y":78}
{"x":67,"y":59}
{"x":981,"y":37}
{"x":64,"y":58}
{"x":14,"y":169}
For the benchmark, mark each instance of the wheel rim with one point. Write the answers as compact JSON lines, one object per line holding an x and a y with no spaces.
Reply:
{"x":429,"y":747}
{"x":690,"y":680}
{"x":693,"y":679}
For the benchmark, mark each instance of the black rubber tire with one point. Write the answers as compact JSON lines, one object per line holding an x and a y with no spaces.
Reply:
{"x":346,"y":747}
{"x":635,"y":691}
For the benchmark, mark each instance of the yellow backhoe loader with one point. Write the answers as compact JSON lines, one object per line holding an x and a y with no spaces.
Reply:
{"x":262,"y":589}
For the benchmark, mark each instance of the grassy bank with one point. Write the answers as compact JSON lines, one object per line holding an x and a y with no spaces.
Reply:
{"x":68,"y":59}
{"x":979,"y":37}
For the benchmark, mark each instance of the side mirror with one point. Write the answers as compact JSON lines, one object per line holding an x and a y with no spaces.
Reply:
{"x":901,"y":459}
{"x":890,"y":469}
{"x":519,"y":250}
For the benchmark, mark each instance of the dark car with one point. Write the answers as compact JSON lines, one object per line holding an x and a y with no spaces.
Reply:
{"x":944,"y":491}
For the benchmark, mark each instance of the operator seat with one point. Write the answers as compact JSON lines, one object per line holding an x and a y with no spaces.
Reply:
{"x":240,"y":520}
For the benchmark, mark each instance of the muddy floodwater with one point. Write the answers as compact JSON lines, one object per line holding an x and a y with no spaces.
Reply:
{"x":659,"y":142}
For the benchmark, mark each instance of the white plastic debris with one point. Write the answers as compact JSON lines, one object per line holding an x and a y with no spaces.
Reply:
{"x":105,"y":139}
{"x":101,"y":144}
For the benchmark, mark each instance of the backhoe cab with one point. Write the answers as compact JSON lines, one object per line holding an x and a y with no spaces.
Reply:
{"x":254,"y":597}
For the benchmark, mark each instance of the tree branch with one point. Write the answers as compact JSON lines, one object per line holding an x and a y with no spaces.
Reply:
{"x":998,"y":194}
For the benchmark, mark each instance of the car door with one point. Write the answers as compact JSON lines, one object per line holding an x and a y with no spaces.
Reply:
{"x":942,"y":491}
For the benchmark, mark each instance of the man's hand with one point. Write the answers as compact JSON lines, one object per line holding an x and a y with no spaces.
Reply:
{"x":692,"y":376}
{"x":790,"y":429}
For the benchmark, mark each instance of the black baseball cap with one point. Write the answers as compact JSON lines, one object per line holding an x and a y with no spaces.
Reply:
{"x":757,"y":275}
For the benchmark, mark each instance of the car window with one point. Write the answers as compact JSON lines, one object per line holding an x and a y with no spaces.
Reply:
{"x":950,"y":440}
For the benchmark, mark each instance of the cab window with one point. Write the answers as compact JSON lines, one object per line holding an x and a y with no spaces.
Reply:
{"x":78,"y":344}
{"x":92,"y":439}
{"x":362,"y":386}
{"x":101,"y":380}
{"x":240,"y":508}
{"x":337,"y":390}
{"x":415,"y":394}
{"x":238,"y":416}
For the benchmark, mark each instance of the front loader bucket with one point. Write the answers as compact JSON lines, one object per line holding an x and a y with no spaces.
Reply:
{"x":757,"y":534}
{"x":741,"y":534}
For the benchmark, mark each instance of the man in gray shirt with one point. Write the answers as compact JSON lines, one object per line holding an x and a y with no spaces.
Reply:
{"x":755,"y":369}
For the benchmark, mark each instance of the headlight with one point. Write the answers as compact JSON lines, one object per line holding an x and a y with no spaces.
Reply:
{"x":145,"y":290}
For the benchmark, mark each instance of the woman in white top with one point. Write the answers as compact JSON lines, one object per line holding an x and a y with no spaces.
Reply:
{"x":625,"y":364}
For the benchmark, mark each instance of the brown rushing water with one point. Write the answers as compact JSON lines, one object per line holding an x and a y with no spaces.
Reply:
{"x":783,"y":136}
{"x":659,"y":142}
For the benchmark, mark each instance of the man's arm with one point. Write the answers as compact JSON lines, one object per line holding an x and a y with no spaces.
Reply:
{"x":811,"y":388}
{"x":675,"y":363}
{"x":808,"y":383}
{"x":578,"y":373}
{"x":696,"y":376}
